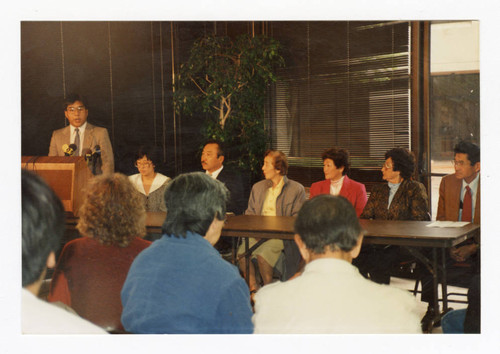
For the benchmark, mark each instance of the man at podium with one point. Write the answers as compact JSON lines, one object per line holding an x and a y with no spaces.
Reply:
{"x":81,"y":138}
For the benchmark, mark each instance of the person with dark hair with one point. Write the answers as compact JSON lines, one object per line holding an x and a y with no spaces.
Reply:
{"x":91,"y":270}
{"x":212,"y":159}
{"x":148,"y":182}
{"x":330,"y":296}
{"x":87,"y":138}
{"x":459,"y":200}
{"x":401,"y":198}
{"x":336,"y":166}
{"x":276,"y":195}
{"x":43,"y":224}
{"x":181,"y":284}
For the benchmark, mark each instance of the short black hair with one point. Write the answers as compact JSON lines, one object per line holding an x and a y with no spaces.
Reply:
{"x":73,"y":97}
{"x":340,"y":158}
{"x":150,"y":152}
{"x":43,"y":222}
{"x":192,"y":201}
{"x":328,"y":221}
{"x":403,"y":161}
{"x":471,"y":149}
{"x":220,"y":147}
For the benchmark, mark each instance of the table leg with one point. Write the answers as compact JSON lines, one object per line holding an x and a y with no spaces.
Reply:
{"x":435,"y":282}
{"x":444,"y":284}
{"x":247,"y":262}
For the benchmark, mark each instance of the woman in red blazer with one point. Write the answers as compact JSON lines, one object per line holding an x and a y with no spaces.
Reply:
{"x":335,"y":166}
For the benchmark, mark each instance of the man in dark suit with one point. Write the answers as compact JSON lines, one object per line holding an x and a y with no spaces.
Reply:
{"x":212,"y":159}
{"x":86,"y":137}
{"x":459,"y":200}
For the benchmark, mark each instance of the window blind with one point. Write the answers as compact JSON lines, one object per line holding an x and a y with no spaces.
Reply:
{"x":345,"y":84}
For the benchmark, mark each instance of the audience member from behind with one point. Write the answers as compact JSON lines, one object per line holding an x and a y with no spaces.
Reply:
{"x":276,"y":195}
{"x":401,"y":198}
{"x":335,"y":166}
{"x":148,"y":182}
{"x":330,"y":296}
{"x":43,"y":222}
{"x":91,"y":270}
{"x":181,"y":284}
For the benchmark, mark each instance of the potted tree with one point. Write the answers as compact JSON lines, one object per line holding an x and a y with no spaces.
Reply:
{"x":227,"y":81}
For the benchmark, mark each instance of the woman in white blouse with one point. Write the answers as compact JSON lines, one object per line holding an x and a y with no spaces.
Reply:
{"x":148,"y":182}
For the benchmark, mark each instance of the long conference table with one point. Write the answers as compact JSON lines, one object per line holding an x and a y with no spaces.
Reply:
{"x":410,"y":234}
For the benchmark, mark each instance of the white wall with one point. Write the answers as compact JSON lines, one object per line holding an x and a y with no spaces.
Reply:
{"x":455,"y":46}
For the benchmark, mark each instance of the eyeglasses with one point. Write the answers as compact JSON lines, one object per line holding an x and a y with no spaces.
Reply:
{"x":75,"y":109}
{"x":387,"y":166}
{"x":458,"y":163}
{"x":143,"y":164}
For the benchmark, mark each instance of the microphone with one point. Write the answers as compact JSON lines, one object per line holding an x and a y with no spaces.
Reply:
{"x":69,"y":150}
{"x":97,"y":150}
{"x":88,"y":156}
{"x":96,"y":161}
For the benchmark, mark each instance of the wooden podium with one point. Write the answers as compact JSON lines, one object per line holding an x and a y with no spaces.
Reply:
{"x":66,"y":175}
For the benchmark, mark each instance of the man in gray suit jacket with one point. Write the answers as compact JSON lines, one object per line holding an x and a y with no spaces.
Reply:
{"x":87,"y":137}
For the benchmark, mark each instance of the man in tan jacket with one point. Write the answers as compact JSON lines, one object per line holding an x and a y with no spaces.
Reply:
{"x":87,"y":138}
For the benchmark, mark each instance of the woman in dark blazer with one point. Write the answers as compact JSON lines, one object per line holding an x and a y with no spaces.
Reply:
{"x":401,"y":198}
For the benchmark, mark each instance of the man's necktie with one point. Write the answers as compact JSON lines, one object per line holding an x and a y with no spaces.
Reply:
{"x":77,"y":142}
{"x":467,"y":205}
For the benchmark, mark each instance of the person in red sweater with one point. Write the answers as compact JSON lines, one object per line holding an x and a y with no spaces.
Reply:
{"x":335,"y":166}
{"x":91,"y":270}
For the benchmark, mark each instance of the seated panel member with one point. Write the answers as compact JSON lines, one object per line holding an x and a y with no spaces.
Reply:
{"x":212,"y":159}
{"x":459,"y":200}
{"x":43,"y":221}
{"x":335,"y":166}
{"x":181,"y":284}
{"x":84,"y":135}
{"x":148,"y":182}
{"x":276,"y":195}
{"x":91,"y":270}
{"x":330,"y":296}
{"x":401,"y":198}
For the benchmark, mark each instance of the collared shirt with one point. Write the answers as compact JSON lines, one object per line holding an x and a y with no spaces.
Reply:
{"x":81,"y":130}
{"x":473,"y":189}
{"x":393,"y":188}
{"x":215,"y":173}
{"x":269,"y":206}
{"x":336,"y":186}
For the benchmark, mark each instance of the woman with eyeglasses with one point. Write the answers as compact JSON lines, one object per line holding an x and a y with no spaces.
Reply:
{"x":149,"y":183}
{"x":401,"y":198}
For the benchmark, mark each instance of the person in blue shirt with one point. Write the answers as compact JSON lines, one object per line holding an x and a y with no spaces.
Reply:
{"x":181,"y":284}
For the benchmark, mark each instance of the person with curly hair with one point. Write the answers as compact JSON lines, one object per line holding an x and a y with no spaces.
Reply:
{"x":401,"y":198}
{"x":91,"y":270}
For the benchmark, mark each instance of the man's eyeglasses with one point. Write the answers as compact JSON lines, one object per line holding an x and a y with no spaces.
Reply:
{"x":387,"y":166}
{"x":458,"y":163}
{"x":75,"y":109}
